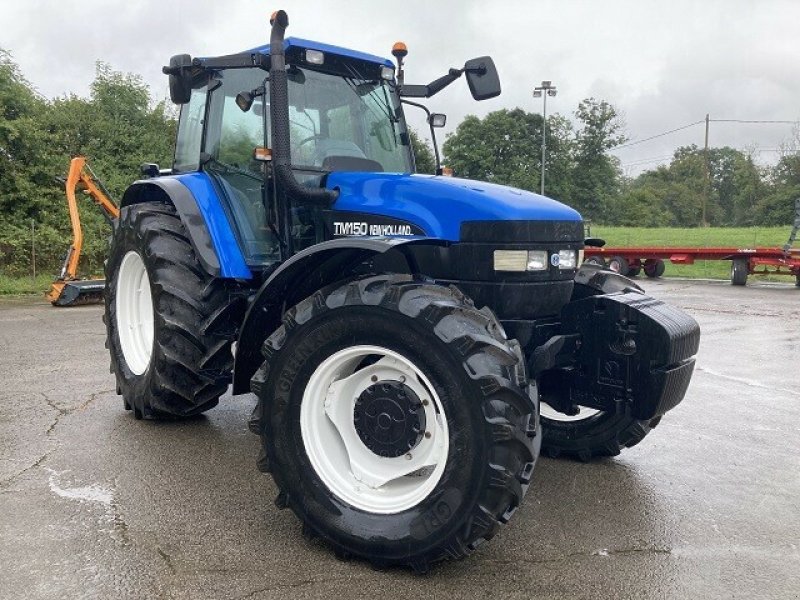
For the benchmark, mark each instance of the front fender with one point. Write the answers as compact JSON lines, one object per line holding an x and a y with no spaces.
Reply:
{"x":298,"y":278}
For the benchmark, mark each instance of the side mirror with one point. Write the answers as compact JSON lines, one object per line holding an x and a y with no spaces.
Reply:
{"x":244,"y":100}
{"x":482,"y":78}
{"x":437,"y":120}
{"x":150,"y":170}
{"x":180,"y":81}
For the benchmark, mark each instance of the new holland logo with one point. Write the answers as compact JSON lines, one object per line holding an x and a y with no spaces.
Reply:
{"x":555,"y":259}
{"x":362,"y":228}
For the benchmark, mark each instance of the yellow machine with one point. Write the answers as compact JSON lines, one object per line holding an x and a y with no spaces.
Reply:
{"x":67,"y":289}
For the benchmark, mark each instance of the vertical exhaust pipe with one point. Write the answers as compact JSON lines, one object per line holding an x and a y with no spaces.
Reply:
{"x":279,"y":119}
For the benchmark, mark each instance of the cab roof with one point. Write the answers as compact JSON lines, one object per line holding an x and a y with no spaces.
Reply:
{"x":294,"y":42}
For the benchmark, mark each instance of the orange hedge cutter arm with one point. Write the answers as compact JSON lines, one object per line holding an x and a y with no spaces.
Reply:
{"x":81,"y":174}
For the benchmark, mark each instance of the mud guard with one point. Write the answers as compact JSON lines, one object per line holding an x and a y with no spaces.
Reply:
{"x":297,"y":279}
{"x":173,"y":191}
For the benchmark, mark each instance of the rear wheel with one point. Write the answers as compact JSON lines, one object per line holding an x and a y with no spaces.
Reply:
{"x":590,"y":433}
{"x":396,"y":421}
{"x":739,"y":271}
{"x":169,"y":324}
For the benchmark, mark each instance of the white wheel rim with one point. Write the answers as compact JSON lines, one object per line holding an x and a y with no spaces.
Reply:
{"x":548,"y":412}
{"x":134,"y":307}
{"x":349,"y":469}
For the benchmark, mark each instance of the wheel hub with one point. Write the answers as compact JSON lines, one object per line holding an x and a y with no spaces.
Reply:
{"x":389,"y":418}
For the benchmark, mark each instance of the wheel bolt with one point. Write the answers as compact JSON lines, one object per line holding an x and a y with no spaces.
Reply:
{"x":425,"y":402}
{"x":374,"y":378}
{"x":428,"y":434}
{"x":408,"y":456}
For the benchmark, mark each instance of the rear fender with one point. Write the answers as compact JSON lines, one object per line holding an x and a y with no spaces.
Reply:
{"x":301,"y":276}
{"x":201,"y":212}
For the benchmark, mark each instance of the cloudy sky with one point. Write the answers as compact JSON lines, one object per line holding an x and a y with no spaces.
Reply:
{"x":663,"y":64}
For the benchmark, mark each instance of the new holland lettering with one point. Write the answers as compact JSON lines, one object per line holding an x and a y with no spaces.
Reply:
{"x":352,"y":228}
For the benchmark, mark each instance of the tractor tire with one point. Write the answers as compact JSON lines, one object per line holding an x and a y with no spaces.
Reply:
{"x":739,"y":271}
{"x":618,"y":264}
{"x":654,"y":267}
{"x":169,"y":324}
{"x":591,"y":433}
{"x":396,"y":420}
{"x":634,"y":270}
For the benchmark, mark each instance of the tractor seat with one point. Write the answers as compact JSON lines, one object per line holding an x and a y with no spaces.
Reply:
{"x":327,"y":147}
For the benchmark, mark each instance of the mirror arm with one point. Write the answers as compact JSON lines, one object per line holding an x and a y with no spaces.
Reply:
{"x":436,"y":86}
{"x":433,"y":133}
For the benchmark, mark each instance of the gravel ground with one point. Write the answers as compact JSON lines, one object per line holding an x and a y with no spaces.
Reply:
{"x":94,"y":504}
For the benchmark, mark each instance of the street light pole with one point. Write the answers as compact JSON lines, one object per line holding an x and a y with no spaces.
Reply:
{"x":543,"y":91}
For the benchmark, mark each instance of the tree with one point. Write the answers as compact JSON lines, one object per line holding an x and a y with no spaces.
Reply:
{"x":595,"y":174}
{"x":505,"y":147}
{"x":118,"y":127}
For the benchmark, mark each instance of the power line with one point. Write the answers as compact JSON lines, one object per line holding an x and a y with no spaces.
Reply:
{"x":658,"y":135}
{"x":752,"y":121}
{"x":687,"y":126}
{"x":646,"y":160}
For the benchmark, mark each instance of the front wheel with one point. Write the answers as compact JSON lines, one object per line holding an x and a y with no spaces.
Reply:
{"x":396,"y":420}
{"x":590,"y":433}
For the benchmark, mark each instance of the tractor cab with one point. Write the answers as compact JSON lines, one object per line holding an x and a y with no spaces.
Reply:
{"x":344,"y":114}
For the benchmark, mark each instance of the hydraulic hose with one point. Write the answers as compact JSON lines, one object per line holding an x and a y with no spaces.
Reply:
{"x":279,"y":118}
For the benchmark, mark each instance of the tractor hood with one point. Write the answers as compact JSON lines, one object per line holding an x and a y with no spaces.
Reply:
{"x":439,"y":205}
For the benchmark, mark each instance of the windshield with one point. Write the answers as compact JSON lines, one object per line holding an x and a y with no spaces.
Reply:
{"x":345,"y":123}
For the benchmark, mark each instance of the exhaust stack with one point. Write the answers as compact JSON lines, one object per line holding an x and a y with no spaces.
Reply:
{"x":279,"y":118}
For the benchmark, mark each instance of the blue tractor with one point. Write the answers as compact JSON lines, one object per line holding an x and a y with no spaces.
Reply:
{"x":412,"y":341}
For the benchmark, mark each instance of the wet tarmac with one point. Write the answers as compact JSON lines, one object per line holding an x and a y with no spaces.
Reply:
{"x":94,"y":504}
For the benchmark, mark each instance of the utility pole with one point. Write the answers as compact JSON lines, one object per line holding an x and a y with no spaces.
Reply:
{"x":707,"y":190}
{"x":543,"y":91}
{"x":33,"y":249}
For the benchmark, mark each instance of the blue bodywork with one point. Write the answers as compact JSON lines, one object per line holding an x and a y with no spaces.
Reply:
{"x":231,"y":259}
{"x":438,"y":205}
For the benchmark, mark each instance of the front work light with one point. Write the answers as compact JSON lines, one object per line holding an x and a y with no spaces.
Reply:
{"x":387,"y":73}
{"x":315,"y":57}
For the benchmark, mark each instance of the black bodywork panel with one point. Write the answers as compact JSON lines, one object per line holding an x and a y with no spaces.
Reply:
{"x":615,"y":349}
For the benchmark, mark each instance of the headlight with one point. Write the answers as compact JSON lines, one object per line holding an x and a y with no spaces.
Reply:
{"x":537,"y":260}
{"x":510,"y":260}
{"x":567,"y":259}
{"x":520,"y":260}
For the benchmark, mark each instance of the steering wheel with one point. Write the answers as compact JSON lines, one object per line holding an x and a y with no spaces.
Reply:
{"x":316,"y":136}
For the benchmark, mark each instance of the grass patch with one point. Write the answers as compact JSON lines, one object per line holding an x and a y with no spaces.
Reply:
{"x":737,"y":237}
{"x":18,"y":286}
